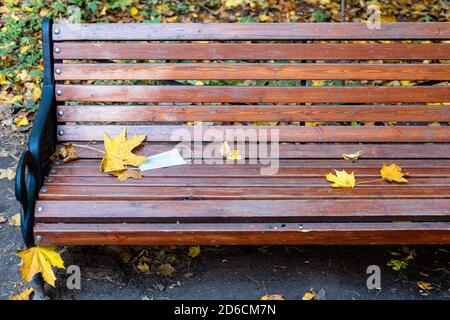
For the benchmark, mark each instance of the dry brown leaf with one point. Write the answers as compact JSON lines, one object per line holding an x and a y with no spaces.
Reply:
{"x":424,"y":285}
{"x":166,"y":269}
{"x":67,"y":153}
{"x":272,"y":297}
{"x":341,"y":179}
{"x":126,"y":174}
{"x":392,"y":173}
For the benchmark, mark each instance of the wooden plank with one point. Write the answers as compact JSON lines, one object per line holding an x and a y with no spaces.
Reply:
{"x":252,"y":51}
{"x":242,"y":211}
{"x":236,"y":94}
{"x":243,"y":233}
{"x":245,"y":171}
{"x":244,"y":113}
{"x":250,"y":31}
{"x":250,"y":71}
{"x":117,"y":192}
{"x":265,"y":181}
{"x":298,"y":151}
{"x":290,"y":163}
{"x":253,"y":133}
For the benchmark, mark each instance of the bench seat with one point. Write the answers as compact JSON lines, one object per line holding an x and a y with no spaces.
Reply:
{"x":315,"y":91}
{"x":233,"y":204}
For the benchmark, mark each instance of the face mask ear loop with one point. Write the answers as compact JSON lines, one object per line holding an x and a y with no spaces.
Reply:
{"x":181,"y":146}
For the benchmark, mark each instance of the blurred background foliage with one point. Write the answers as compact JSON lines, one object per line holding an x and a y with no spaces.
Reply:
{"x":20,"y":22}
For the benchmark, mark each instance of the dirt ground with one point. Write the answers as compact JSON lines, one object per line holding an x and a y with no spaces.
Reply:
{"x":241,"y":272}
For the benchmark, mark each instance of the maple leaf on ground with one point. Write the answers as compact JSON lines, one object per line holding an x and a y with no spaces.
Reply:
{"x":67,"y":153}
{"x":341,"y":179}
{"x":352,"y":156}
{"x":118,"y":152}
{"x":24,"y":295}
{"x":40,"y":259}
{"x":194,"y":251}
{"x":126,"y":174}
{"x":393,"y":172}
{"x":272,"y":297}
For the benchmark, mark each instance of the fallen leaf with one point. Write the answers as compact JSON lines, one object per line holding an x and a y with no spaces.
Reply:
{"x":397,"y":265}
{"x":126,"y":174}
{"x":67,"y":153}
{"x":167,"y":269}
{"x":341,"y":179}
{"x":24,"y":295}
{"x":21,"y":121}
{"x":424,"y":285}
{"x":134,"y":11}
{"x":194,"y":251}
{"x":118,"y":152}
{"x":272,"y":297}
{"x":313,"y":123}
{"x":352,"y":156}
{"x":40,"y":259}
{"x":7,"y":174}
{"x":143,"y":267}
{"x":3,"y":218}
{"x":309,"y":295}
{"x":393,"y":172}
{"x":234,"y":155}
{"x":15,"y":220}
{"x":224,"y":149}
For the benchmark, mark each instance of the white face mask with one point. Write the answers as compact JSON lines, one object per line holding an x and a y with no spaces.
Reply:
{"x":162,"y":160}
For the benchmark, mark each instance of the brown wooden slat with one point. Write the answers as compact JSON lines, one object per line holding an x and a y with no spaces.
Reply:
{"x":244,"y":171}
{"x":250,"y":31}
{"x":130,"y":93}
{"x":250,"y":71}
{"x":266,"y":181}
{"x":242,"y":211}
{"x":290,"y":163}
{"x":118,"y":192}
{"x":301,"y":151}
{"x":243,"y":233}
{"x":242,"y":133}
{"x":254,"y":51}
{"x":244,"y":113}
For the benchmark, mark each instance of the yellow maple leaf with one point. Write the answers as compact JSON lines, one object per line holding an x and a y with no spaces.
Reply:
{"x":234,"y":155}
{"x":194,"y":251}
{"x":118,"y":152}
{"x":424,"y":285}
{"x":341,"y":179}
{"x":40,"y":259}
{"x":126,"y":174}
{"x":134,"y":11}
{"x":393,"y":172}
{"x":272,"y":297}
{"x":309,"y":295}
{"x":67,"y":153}
{"x":21,"y":121}
{"x":352,"y":156}
{"x":24,"y":295}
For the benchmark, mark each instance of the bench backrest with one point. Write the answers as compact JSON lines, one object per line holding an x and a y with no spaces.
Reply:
{"x":156,"y":78}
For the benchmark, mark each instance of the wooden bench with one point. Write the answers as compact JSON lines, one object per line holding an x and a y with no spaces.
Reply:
{"x":232,"y":204}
